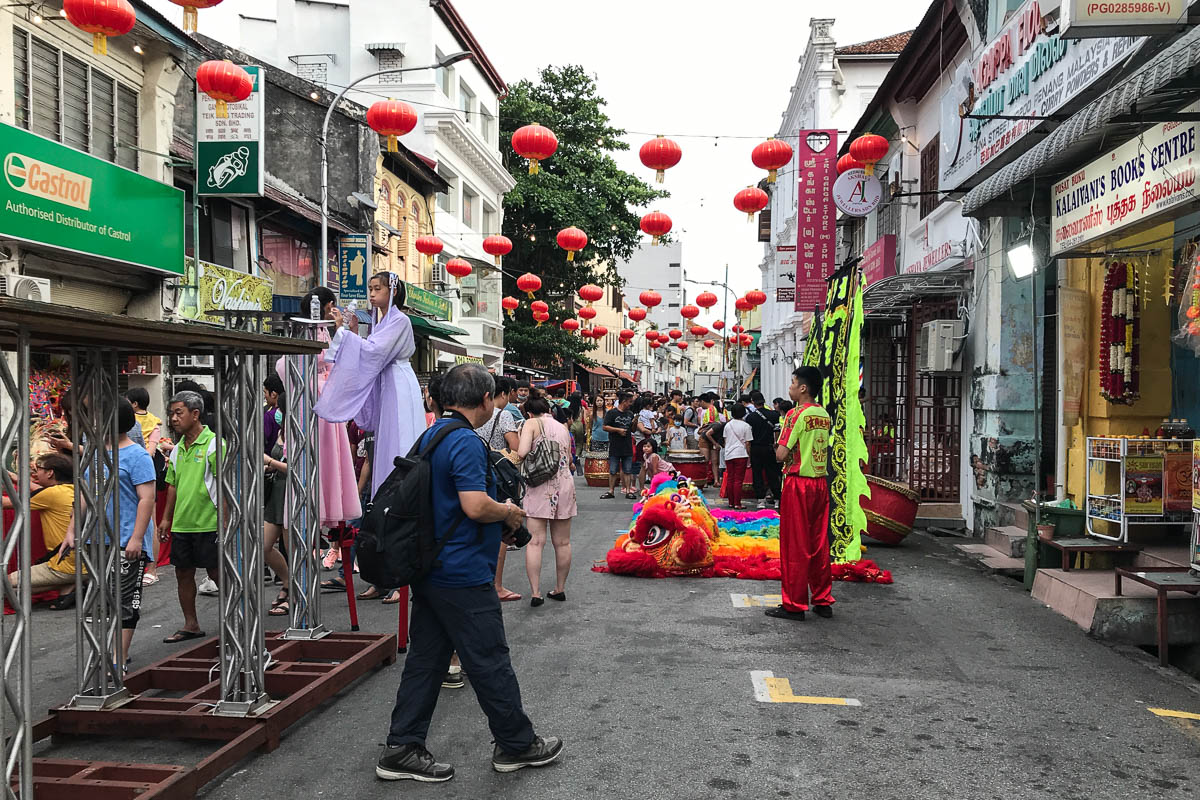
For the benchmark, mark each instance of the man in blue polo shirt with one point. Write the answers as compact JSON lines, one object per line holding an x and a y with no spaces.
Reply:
{"x":456,"y":608}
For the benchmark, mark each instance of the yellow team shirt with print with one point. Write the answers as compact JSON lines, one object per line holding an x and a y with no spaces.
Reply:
{"x":55,"y":504}
{"x":148,"y":422}
{"x":805,"y":432}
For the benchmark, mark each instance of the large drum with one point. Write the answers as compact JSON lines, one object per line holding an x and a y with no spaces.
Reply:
{"x":595,"y":467}
{"x":690,"y":464}
{"x":891,"y":511}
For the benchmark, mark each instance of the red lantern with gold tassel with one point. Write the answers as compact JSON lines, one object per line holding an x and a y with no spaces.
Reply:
{"x":657,"y":225}
{"x":689,"y":312}
{"x":772,"y":155}
{"x":697,"y":330}
{"x":706,"y":299}
{"x":742,"y":304}
{"x":510,"y":305}
{"x":190,"y":15}
{"x":654,"y":345}
{"x":541,"y":316}
{"x":458,"y":267}
{"x":570,"y":325}
{"x":637,"y":314}
{"x":536,"y":143}
{"x":750,"y":200}
{"x":572,"y":240}
{"x":429,"y":245}
{"x":587,"y":312}
{"x":848,"y":162}
{"x":101,"y":18}
{"x":539,"y":306}
{"x":590,"y":293}
{"x":391,"y":118}
{"x":756,"y":297}
{"x":870,"y":148}
{"x":682,"y":345}
{"x":529,"y":283}
{"x":675,"y":333}
{"x":496,"y":246}
{"x":649,"y":298}
{"x":224,"y":82}
{"x":660,"y":154}
{"x":719,"y":325}
{"x":599,"y":332}
{"x":709,"y":344}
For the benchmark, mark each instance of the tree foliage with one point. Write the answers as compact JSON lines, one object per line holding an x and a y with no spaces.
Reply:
{"x":579,"y":185}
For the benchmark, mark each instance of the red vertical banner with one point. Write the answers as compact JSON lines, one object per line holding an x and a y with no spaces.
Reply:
{"x":816,"y":217}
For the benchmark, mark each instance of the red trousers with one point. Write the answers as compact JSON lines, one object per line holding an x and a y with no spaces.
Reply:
{"x":804,"y":543}
{"x":735,"y":476}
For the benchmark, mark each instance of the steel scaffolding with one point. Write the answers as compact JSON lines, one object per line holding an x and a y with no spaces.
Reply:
{"x":93,"y":412}
{"x":16,"y":659}
{"x":303,"y":499}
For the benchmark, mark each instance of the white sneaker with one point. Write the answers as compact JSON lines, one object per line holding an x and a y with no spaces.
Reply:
{"x":208,"y":586}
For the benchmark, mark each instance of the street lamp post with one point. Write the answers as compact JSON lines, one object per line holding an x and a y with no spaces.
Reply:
{"x":724,"y":315}
{"x":453,"y":58}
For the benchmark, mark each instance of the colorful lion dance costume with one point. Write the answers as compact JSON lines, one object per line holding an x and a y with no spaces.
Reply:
{"x":674,"y":533}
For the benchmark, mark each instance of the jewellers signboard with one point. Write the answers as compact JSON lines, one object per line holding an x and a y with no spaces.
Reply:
{"x":1140,"y":179}
{"x":1023,"y":72}
{"x":56,"y":196}
{"x":230,"y":151}
{"x":212,"y":288}
{"x":1082,"y":19}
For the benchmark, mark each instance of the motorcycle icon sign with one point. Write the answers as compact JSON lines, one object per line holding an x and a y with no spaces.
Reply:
{"x":232,"y":165}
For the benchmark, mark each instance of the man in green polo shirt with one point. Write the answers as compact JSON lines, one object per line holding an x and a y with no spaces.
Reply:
{"x":190,"y":518}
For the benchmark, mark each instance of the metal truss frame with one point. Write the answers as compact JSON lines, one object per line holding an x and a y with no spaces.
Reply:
{"x":239,"y":478}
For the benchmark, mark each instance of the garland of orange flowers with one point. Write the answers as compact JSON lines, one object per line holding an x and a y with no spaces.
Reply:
{"x":1120,"y":346}
{"x":1193,"y":311}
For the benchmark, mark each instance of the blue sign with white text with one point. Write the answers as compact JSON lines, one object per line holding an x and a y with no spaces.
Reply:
{"x":353,"y":251}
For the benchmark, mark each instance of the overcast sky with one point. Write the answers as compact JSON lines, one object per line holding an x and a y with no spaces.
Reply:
{"x":677,"y":68}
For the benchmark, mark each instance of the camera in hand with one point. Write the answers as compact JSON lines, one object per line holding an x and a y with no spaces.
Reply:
{"x":521,"y":536}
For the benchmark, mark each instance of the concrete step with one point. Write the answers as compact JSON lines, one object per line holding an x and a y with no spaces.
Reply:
{"x":993,"y":560}
{"x":1012,"y":514}
{"x":1009,"y":540}
{"x":1087,"y":598}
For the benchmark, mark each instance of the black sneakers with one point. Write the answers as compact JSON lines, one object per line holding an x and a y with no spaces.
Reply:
{"x":825,"y":611}
{"x":453,"y":680}
{"x":779,"y":612}
{"x":412,"y":762}
{"x":539,"y":754}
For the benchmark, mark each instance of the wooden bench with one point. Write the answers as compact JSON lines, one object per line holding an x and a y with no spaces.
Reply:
{"x":1068,"y":547}
{"x":1161,"y":580}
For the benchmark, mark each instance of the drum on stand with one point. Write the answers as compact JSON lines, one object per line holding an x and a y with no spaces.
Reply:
{"x":595,"y":467}
{"x":891,"y":510}
{"x":691,"y":465}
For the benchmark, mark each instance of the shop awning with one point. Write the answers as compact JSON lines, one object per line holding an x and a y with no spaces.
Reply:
{"x":447,"y":346}
{"x":895,"y":294}
{"x":600,"y":371}
{"x":1117,"y":115}
{"x":424,"y":326}
{"x":625,"y":376}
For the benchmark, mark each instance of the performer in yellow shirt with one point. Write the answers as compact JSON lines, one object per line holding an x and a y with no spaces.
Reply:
{"x":803,"y":447}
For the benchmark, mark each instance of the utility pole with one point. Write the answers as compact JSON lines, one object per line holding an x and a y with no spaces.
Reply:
{"x":725,"y":338}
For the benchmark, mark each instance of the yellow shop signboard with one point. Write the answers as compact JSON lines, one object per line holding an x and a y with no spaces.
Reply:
{"x":211,"y":288}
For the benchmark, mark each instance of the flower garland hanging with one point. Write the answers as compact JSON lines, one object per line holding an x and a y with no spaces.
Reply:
{"x":1120,"y":345}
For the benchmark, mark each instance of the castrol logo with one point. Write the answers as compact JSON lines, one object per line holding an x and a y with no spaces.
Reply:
{"x":40,"y":179}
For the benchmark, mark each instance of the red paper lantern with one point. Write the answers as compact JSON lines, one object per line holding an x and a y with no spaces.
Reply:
{"x":510,"y":305}
{"x":570,"y":325}
{"x":541,"y":316}
{"x":682,"y":345}
{"x":742,"y":304}
{"x":587,"y":312}
{"x":536,"y":143}
{"x":625,"y":335}
{"x":718,"y":325}
{"x":572,"y":240}
{"x":660,"y":154}
{"x":224,"y":82}
{"x":656,"y":224}
{"x":391,"y":118}
{"x":650,"y":298}
{"x":599,"y":332}
{"x":738,"y":329}
{"x":529,"y":283}
{"x":848,"y":162}
{"x":709,"y":344}
{"x":652,"y":335}
{"x":190,"y":17}
{"x":496,"y":246}
{"x":590,"y":292}
{"x":751,"y":200}
{"x":698,"y":330}
{"x":689,"y":312}
{"x":675,"y":333}
{"x":706,"y":299}
{"x":429,"y":245}
{"x":655,"y":345}
{"x":772,"y":155}
{"x":458,"y":267}
{"x":869,"y":148}
{"x":746,"y":340}
{"x":538,"y":306}
{"x":637,"y":314}
{"x":102,"y":18}
{"x":756,"y":297}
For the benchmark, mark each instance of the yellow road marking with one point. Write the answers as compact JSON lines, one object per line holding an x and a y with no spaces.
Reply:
{"x":755,"y":600}
{"x":769,"y":689}
{"x":1166,"y":712}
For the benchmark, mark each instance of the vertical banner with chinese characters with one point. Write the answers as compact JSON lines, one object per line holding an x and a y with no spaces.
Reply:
{"x":229,"y":150}
{"x":816,"y":219}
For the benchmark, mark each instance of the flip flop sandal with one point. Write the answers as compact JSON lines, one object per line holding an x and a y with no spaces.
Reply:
{"x":370,"y":594}
{"x":392,"y":598}
{"x":333,"y":585}
{"x":184,"y":636}
{"x":510,"y":596}
{"x":281,"y":609}
{"x":63,"y":602}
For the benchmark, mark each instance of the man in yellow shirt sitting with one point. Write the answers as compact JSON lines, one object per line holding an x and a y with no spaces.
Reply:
{"x":55,"y":499}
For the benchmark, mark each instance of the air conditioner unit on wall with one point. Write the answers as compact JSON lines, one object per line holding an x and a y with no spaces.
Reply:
{"x":938,"y":346}
{"x":194,"y":362}
{"x":25,"y":287}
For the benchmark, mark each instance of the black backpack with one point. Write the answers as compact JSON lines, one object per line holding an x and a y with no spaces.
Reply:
{"x":398,"y":544}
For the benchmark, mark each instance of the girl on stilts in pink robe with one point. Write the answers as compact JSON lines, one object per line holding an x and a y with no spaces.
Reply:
{"x":372,"y":381}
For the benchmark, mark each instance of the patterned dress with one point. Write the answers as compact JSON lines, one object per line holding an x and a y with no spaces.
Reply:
{"x":554,"y":499}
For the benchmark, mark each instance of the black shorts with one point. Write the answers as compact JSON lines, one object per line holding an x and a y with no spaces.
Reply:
{"x":194,"y":550}
{"x":131,"y":590}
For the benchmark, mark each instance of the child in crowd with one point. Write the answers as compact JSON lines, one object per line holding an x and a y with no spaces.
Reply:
{"x":652,"y":462}
{"x":676,"y":434}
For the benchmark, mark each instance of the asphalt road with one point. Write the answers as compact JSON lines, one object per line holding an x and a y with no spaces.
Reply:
{"x":968,"y":689}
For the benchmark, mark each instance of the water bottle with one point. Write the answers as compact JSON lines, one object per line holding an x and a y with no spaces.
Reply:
{"x":349,"y":312}
{"x":314,"y":308}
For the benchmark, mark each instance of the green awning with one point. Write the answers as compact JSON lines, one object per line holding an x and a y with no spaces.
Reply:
{"x":424,"y":326}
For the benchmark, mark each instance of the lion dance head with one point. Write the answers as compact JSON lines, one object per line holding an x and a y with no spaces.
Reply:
{"x":673,"y":534}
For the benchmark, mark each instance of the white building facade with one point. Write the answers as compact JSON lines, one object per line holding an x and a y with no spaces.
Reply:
{"x":832,"y":88}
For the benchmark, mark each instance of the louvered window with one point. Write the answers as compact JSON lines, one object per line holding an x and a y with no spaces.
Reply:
{"x":930,"y":198}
